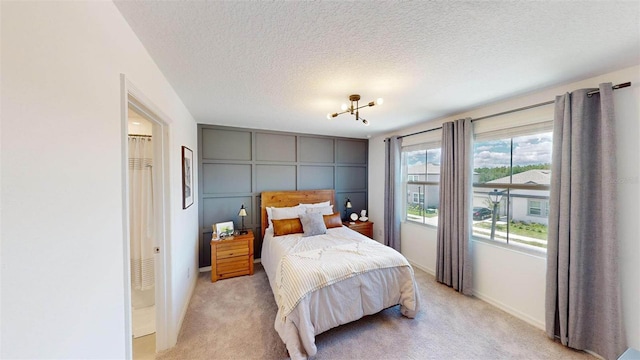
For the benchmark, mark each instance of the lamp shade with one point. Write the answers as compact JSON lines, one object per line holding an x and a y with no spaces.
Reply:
{"x":495,"y":196}
{"x":348,"y":204}
{"x":243,"y":211}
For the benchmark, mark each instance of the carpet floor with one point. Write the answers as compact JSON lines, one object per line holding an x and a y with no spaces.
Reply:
{"x":233,"y":319}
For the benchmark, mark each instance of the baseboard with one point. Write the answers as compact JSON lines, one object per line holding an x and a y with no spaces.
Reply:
{"x":597,"y":356}
{"x":427,"y":270}
{"x":500,"y":305}
{"x":183,"y":313}
{"x":517,"y":313}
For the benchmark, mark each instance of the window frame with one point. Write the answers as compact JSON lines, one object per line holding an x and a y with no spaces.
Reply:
{"x":506,"y":188}
{"x":422,"y":198}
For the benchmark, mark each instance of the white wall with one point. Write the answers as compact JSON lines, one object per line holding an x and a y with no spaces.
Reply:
{"x":62,"y":248}
{"x":513,"y":280}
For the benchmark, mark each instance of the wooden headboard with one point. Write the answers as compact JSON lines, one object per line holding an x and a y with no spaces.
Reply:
{"x":292,"y":198}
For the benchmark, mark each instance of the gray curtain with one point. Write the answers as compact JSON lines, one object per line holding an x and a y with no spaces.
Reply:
{"x":453,"y":258}
{"x":583,"y":304}
{"x":392,"y":192}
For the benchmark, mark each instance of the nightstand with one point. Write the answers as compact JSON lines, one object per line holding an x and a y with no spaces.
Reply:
{"x":232,"y":257}
{"x":363,"y":227}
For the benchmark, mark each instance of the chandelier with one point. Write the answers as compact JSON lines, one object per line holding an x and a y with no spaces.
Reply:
{"x":354,"y":109}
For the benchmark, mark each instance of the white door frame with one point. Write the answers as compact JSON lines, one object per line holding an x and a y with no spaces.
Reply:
{"x":134,"y":97}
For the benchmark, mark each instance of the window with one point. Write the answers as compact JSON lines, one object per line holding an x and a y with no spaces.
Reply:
{"x":538,"y":208}
{"x":517,"y":167}
{"x":421,"y":169}
{"x":417,"y":197}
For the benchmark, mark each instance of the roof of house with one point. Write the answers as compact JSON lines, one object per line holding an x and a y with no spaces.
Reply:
{"x":534,"y":177}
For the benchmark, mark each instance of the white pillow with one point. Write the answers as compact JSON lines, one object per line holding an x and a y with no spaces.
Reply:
{"x":279,"y":213}
{"x":324,"y":210}
{"x":324,"y":203}
{"x":269,"y":216}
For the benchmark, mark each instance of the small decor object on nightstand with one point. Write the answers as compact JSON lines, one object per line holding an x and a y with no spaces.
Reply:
{"x":363,"y":216}
{"x":354,"y":217}
{"x":224,"y":229}
{"x":242,"y":214}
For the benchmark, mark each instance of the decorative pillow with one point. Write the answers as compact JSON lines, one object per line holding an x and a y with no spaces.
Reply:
{"x":279,"y":213}
{"x":312,"y":224}
{"x":287,"y":226}
{"x":332,"y":221}
{"x":324,"y":203}
{"x":324,"y":210}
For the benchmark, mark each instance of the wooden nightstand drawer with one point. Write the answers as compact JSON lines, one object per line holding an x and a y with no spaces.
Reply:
{"x":232,"y":257}
{"x":365,"y":228}
{"x":231,"y":250}
{"x":232,"y":264}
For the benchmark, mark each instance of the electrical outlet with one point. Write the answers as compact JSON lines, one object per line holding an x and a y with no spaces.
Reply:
{"x":188,"y":273}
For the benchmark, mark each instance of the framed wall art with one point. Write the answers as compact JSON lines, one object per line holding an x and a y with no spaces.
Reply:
{"x":187,"y":177}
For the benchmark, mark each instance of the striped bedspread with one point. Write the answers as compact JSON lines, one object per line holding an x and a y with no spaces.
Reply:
{"x":301,"y":273}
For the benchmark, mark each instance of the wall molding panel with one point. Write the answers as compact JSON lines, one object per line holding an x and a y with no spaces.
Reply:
{"x":237,"y":164}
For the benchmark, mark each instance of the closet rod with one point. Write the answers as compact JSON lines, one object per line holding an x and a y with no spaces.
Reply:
{"x":590,"y":93}
{"x":139,"y":135}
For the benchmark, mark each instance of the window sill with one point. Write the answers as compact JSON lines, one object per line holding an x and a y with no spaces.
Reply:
{"x":434,"y":227}
{"x":524,"y":249}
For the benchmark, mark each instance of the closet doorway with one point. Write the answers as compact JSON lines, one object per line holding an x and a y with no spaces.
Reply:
{"x":145,"y":197}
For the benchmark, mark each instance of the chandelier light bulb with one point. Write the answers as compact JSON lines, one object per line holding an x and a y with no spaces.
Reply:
{"x":379,"y":101}
{"x":354,"y":108}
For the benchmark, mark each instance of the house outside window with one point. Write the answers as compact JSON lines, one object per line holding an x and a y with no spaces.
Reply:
{"x":518,"y":165}
{"x":421,"y":171}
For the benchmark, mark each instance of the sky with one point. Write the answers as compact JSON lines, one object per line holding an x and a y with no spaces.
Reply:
{"x":527,"y":150}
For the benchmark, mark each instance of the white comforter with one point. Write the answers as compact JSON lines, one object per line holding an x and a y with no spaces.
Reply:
{"x":363,"y":293}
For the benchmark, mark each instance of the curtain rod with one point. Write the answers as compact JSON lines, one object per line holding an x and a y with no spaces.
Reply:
{"x":140,"y":135}
{"x":589,"y":94}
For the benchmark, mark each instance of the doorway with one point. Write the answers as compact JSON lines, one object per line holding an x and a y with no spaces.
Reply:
{"x":145,"y":218}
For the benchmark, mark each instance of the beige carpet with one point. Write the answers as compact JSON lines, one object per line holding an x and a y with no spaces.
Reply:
{"x":233,"y":319}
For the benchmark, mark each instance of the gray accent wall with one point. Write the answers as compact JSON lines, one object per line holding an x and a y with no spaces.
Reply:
{"x":236,"y":165}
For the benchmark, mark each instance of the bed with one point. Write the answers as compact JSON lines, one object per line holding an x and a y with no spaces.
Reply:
{"x":323,"y":281}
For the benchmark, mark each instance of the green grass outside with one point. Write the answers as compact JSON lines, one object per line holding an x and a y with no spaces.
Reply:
{"x":532,"y":230}
{"x":418,"y":212}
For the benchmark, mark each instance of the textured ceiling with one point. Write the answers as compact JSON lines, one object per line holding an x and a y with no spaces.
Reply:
{"x":285,"y":65}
